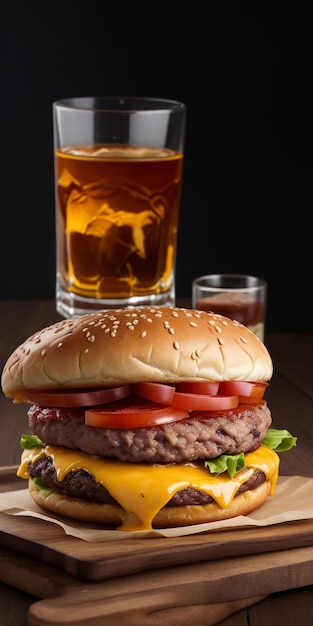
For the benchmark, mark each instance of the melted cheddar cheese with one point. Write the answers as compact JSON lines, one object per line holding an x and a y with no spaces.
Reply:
{"x":142,"y":490}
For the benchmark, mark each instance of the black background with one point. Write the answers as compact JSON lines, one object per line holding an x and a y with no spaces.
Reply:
{"x":244,"y":71}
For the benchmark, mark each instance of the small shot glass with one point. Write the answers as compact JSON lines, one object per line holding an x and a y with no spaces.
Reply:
{"x":237,"y":296}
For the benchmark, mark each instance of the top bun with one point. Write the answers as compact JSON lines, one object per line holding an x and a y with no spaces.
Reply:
{"x":107,"y":348}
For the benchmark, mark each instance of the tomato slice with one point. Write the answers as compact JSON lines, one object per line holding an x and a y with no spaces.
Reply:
{"x":243,"y":388}
{"x":250,"y":400}
{"x":156,"y":392}
{"x":78,"y":397}
{"x":201,"y":402}
{"x":198,"y":387}
{"x":125,"y":415}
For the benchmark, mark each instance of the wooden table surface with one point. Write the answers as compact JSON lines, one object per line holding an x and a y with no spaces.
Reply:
{"x":290,"y":398}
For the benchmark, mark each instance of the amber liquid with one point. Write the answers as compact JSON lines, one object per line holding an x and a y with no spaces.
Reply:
{"x":117,"y":219}
{"x":239,"y":307}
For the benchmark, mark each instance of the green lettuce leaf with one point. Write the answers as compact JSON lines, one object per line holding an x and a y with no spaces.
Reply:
{"x":231,"y":463}
{"x":29,"y":441}
{"x":40,"y":486}
{"x":279,"y":440}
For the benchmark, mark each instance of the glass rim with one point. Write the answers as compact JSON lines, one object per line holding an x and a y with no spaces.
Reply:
{"x":253,"y":283}
{"x":118,"y":104}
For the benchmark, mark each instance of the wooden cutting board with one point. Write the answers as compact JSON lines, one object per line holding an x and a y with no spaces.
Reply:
{"x":204,"y":593}
{"x":150,"y":581}
{"x":48,"y":543}
{"x":99,"y":561}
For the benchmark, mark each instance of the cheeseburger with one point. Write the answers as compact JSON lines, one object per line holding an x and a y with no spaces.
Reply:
{"x":146,"y":418}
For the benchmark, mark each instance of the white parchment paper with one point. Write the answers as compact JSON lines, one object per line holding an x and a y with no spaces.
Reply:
{"x":293,"y":500}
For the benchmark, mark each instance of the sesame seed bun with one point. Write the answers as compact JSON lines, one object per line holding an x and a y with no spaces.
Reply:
{"x":131,"y":345}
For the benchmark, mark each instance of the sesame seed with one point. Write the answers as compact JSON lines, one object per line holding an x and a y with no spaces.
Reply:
{"x":60,"y":344}
{"x":193,"y":324}
{"x":220,"y":341}
{"x":91,"y":338}
{"x":60,"y":328}
{"x":243,"y":340}
{"x":171,"y":331}
{"x":143,"y":334}
{"x":176,"y":345}
{"x":43,"y":352}
{"x":217,"y":328}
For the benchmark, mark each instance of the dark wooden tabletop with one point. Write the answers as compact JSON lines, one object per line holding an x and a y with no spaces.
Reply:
{"x":289,"y":396}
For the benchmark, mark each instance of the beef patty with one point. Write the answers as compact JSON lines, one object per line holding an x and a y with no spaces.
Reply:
{"x":200,"y":436}
{"x":81,"y":484}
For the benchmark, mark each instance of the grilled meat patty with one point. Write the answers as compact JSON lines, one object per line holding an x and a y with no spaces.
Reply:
{"x":200,"y":436}
{"x":81,"y":484}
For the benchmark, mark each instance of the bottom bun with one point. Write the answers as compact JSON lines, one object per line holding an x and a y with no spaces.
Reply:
{"x":113,"y":516}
